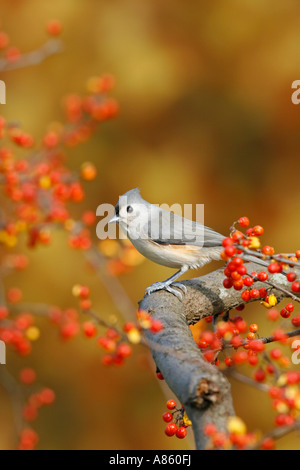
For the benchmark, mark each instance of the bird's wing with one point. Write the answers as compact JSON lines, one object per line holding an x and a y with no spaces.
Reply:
{"x":166,"y":228}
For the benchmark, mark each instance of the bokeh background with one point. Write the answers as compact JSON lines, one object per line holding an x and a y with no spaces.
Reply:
{"x":206,"y":117}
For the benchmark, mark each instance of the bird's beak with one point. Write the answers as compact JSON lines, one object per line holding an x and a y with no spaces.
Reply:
{"x":114,"y":219}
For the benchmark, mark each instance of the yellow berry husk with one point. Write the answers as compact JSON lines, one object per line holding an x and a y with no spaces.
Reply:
{"x":282,"y":380}
{"x":272,"y":300}
{"x":92,"y":85}
{"x":132,"y":257}
{"x":236,"y":425}
{"x":69,"y":225}
{"x":45,"y":182}
{"x":254,"y":243}
{"x":76,"y":290}
{"x":9,"y":240}
{"x":282,"y":407}
{"x":88,"y":171}
{"x":110,"y":248}
{"x":297,"y":403}
{"x":33,"y":333}
{"x":291,"y":392}
{"x":228,"y":336}
{"x":134,"y":336}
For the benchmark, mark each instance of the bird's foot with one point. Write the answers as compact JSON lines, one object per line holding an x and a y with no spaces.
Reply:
{"x":163,"y":286}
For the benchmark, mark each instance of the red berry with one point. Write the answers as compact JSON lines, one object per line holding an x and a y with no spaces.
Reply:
{"x":3,"y":313}
{"x":268,"y":250}
{"x":296,"y":286}
{"x":268,"y":444}
{"x":238,"y":261}
{"x":260,"y":375}
{"x":291,"y":277}
{"x":244,"y":221}
{"x":289,"y":308}
{"x":209,"y":429}
{"x":54,"y":28}
{"x":124,"y":350}
{"x":276,"y":353}
{"x":245,"y":295}
{"x":238,"y":285}
{"x":47,"y":396}
{"x":296,"y":321}
{"x":273,"y":314}
{"x":253,"y":328}
{"x":242,"y":270}
{"x":227,"y":242}
{"x":156,"y":326}
{"x":228,"y":361}
{"x":236,"y":341}
{"x":167,"y":417}
{"x":237,"y":236}
{"x":4,"y":40}
{"x":258,"y":230}
{"x":89,"y":329}
{"x":254,"y":293}
{"x":253,"y":360}
{"x":284,"y":313}
{"x":181,"y":432}
{"x":171,"y":404}
{"x":262,"y":276}
{"x":230,"y":251}
{"x":170,"y":429}
{"x":262,"y":292}
{"x":274,"y":268}
{"x":27,"y":376}
{"x":248,"y":281}
{"x":293,"y":377}
{"x":227,"y":283}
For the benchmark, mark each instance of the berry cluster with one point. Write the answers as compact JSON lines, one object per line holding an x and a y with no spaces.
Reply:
{"x":38,"y":191}
{"x":235,"y":437}
{"x":117,"y":344}
{"x":236,"y":271}
{"x":35,"y":401}
{"x":177,"y":420}
{"x":12,"y":54}
{"x":233,"y":342}
{"x":121,"y":256}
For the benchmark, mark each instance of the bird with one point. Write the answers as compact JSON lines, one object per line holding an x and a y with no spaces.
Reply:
{"x":167,"y":239}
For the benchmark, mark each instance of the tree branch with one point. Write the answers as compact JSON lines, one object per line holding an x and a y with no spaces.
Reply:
{"x":51,"y":47}
{"x":202,"y":389}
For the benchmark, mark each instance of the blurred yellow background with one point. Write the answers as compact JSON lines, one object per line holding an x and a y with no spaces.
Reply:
{"x":206,"y":117}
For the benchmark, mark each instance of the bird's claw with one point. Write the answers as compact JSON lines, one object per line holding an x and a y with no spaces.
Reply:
{"x":162,"y":286}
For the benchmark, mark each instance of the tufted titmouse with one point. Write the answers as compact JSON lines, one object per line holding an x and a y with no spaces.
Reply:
{"x":167,"y":239}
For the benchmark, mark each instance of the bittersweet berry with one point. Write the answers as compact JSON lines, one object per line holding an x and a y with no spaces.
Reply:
{"x":171,"y":404}
{"x":181,"y":432}
{"x":243,"y":221}
{"x":167,"y":417}
{"x":170,"y":429}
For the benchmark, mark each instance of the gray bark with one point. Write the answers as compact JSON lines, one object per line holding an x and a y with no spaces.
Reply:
{"x":202,"y":389}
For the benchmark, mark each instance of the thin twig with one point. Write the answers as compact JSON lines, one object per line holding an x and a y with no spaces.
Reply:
{"x":51,"y":47}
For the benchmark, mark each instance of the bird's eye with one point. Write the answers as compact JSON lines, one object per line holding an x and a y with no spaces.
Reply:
{"x":129,"y":209}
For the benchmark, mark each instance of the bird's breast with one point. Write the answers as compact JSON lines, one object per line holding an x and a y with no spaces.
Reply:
{"x":176,"y":256}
